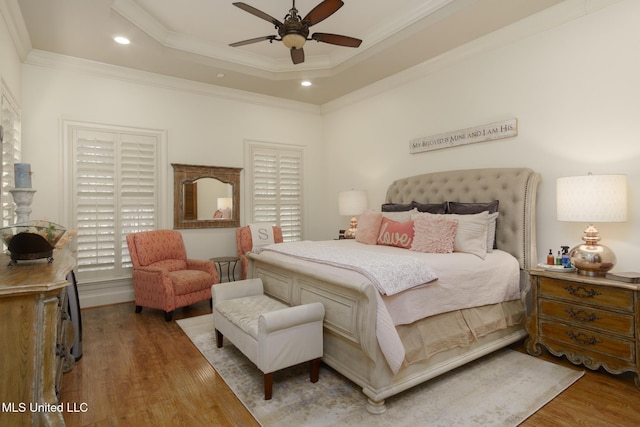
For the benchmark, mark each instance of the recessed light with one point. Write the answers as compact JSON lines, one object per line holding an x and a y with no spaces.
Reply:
{"x":121,"y":40}
{"x":305,"y":83}
{"x":220,"y":75}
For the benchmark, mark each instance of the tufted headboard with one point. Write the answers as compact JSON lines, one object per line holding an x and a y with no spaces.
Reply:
{"x":515,"y":188}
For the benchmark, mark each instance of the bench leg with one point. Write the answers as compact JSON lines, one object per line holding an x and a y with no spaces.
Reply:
{"x":268,"y":385}
{"x":314,"y":373}
{"x":219,"y":337}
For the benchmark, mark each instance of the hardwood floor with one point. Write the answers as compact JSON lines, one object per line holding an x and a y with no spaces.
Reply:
{"x":139,"y":370}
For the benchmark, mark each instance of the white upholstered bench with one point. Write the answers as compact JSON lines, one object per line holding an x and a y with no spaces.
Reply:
{"x":270,"y":333}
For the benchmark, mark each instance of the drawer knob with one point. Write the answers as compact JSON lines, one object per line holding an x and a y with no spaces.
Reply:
{"x":583,"y":339}
{"x":582,"y":315}
{"x":582,"y":292}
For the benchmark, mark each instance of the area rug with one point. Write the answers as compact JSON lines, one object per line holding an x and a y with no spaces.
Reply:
{"x":500,"y":389}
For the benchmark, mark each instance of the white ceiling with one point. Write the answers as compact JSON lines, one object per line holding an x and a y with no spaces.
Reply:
{"x":189,"y":38}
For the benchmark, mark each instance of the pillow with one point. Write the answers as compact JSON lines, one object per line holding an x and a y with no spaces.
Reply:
{"x":434,"y":234}
{"x":393,"y":233}
{"x":491,"y":232}
{"x":401,"y":216}
{"x":472,"y":208}
{"x":369,"y":227}
{"x":396,"y":207}
{"x":434,"y":208}
{"x":471,"y":235}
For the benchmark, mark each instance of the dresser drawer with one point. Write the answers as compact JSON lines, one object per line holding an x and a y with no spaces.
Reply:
{"x":589,"y":340}
{"x":602,"y":296}
{"x":588,"y":317}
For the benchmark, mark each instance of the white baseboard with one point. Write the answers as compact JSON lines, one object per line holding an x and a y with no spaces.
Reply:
{"x":105,"y":293}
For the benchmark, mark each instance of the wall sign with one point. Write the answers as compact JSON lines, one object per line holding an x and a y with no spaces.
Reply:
{"x":488,"y":132}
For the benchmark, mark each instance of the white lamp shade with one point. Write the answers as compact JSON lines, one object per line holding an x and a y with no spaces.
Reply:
{"x":592,"y":198}
{"x":225,"y":202}
{"x":352,"y":202}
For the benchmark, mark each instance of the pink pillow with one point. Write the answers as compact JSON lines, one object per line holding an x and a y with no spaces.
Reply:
{"x":393,"y":233}
{"x":434,"y":234}
{"x":368,"y":227}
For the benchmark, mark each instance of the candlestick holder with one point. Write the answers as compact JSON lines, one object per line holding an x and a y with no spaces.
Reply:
{"x":23,"y":197}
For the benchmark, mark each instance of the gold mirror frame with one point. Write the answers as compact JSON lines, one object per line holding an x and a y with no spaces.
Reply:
{"x":187,"y":174}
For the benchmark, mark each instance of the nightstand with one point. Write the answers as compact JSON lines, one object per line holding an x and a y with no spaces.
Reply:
{"x":592,"y":321}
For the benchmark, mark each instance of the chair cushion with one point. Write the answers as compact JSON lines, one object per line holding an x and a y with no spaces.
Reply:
{"x":159,"y":245}
{"x":188,"y":281}
{"x":171,"y":264}
{"x":244,"y":312}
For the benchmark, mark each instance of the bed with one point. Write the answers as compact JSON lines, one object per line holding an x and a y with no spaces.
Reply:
{"x":354,"y":326}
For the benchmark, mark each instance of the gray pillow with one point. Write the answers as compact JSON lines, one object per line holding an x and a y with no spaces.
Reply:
{"x":396,"y":207}
{"x":433,"y":208}
{"x":472,"y":208}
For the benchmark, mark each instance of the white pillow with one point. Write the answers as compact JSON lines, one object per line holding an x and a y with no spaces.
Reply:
{"x":403,"y":216}
{"x":471,"y":235}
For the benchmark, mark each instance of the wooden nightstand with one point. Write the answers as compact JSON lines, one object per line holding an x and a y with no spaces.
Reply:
{"x":591,"y":320}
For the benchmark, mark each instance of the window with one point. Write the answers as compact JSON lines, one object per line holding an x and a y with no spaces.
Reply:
{"x":275,"y":184}
{"x":10,"y":122}
{"x":115,"y":191}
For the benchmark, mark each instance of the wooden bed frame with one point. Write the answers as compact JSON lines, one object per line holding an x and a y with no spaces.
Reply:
{"x":350,"y":343}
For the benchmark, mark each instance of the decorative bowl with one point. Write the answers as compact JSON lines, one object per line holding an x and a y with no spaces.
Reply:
{"x":32,"y":239}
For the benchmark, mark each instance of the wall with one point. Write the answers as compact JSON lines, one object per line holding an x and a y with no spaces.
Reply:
{"x":567,"y":74}
{"x":573,"y":88}
{"x":205,"y":125}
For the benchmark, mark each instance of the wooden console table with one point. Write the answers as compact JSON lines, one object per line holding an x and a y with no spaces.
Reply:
{"x":34,"y":326}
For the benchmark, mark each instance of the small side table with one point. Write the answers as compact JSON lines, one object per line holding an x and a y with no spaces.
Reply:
{"x":226,"y":260}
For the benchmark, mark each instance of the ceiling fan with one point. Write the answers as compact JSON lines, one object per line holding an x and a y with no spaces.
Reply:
{"x":294,"y":31}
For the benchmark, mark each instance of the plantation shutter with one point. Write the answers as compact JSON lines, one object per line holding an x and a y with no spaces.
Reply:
{"x":138,"y":189}
{"x":10,"y":121}
{"x":277,"y":188}
{"x":115,"y":194}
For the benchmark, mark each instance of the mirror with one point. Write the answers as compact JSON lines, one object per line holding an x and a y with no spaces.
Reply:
{"x":205,"y":196}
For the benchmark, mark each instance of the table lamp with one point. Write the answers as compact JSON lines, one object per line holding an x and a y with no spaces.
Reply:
{"x":352,"y":202}
{"x":592,"y":199}
{"x":225,"y":204}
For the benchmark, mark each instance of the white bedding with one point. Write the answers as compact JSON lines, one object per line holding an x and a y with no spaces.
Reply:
{"x":390,"y":273}
{"x":464,"y":281}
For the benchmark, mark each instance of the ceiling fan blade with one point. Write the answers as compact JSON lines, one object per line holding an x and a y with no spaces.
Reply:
{"x":336,"y":39}
{"x":255,"y":40}
{"x":260,"y":14}
{"x":322,"y":11}
{"x":297,"y":55}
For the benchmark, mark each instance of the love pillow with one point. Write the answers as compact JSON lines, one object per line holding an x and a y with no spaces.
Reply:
{"x":393,"y":233}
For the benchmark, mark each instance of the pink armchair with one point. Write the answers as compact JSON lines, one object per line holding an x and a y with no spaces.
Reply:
{"x":245,"y":244}
{"x":163,"y":277}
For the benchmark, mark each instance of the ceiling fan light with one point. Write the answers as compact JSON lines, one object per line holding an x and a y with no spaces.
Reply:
{"x":293,"y":40}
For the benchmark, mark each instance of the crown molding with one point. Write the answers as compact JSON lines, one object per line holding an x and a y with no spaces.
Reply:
{"x":394,"y":27}
{"x":10,"y":11}
{"x":171,"y":39}
{"x":55,"y":61}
